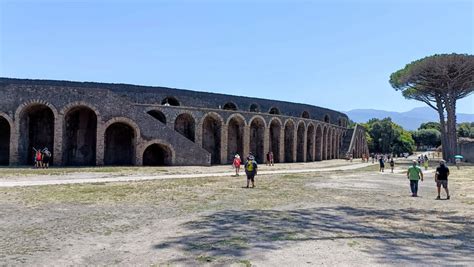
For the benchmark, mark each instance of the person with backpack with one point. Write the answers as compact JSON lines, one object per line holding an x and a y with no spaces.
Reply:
{"x":414,"y":174}
{"x":236,"y":164}
{"x":392,"y":164}
{"x":251,"y":170}
{"x":46,"y":157}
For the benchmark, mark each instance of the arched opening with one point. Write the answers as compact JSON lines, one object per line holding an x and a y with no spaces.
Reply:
{"x":257,"y":133}
{"x":341,"y":122}
{"x":235,"y":138}
{"x":254,"y":108}
{"x":305,"y":114}
{"x":80,"y":125}
{"x":310,"y":144}
{"x":325,"y":144}
{"x":329,"y":145}
{"x":211,"y":138}
{"x":289,"y":141}
{"x":170,"y":101}
{"x":334,"y":144}
{"x":119,"y":144}
{"x":185,"y":125}
{"x":274,"y":111}
{"x":229,"y":106}
{"x":319,"y":143}
{"x":157,"y":155}
{"x":300,"y":143}
{"x":36,"y":131}
{"x":275,"y":132}
{"x":4,"y":141}
{"x":326,"y":118}
{"x":158,"y":115}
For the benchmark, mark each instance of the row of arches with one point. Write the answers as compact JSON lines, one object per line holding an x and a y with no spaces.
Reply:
{"x":36,"y":130}
{"x":288,"y":142}
{"x":172,"y":101}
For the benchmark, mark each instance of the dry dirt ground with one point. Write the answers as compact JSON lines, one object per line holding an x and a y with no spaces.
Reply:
{"x":342,"y":217}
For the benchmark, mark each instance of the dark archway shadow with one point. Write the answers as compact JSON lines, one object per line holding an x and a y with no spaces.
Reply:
{"x":236,"y":233}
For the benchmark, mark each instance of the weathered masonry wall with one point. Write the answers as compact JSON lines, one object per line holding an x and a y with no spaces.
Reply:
{"x":88,"y":124}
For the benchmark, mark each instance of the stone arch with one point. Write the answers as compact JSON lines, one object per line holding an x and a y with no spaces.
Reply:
{"x":79,"y":135}
{"x":275,"y":134}
{"x":157,"y":114}
{"x":341,"y":122}
{"x":259,"y":118}
{"x":334,"y":144}
{"x":327,"y":119}
{"x":230,"y":106}
{"x":310,"y":139}
{"x":274,"y":111}
{"x":186,"y":126}
{"x":329,"y":144}
{"x":325,"y":143}
{"x":289,"y":140}
{"x":157,"y":154}
{"x":235,"y":136}
{"x":124,"y":137}
{"x":305,"y":115}
{"x":254,"y":108}
{"x":257,"y":138}
{"x":36,"y":124}
{"x":300,"y":137}
{"x":6,"y":130}
{"x":212,"y":125}
{"x":319,"y":143}
{"x":170,"y":101}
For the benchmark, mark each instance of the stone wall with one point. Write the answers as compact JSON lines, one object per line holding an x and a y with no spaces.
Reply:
{"x":119,"y":124}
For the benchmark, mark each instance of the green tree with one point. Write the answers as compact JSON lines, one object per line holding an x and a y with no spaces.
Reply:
{"x":466,"y":129}
{"x":430,"y":125}
{"x":427,"y":137}
{"x":439,"y":81}
{"x":387,"y":137}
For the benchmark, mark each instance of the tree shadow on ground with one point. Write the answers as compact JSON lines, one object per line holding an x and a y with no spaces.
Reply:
{"x":413,"y":236}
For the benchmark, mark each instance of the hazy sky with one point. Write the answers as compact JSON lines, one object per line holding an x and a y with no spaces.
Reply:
{"x":336,"y":54}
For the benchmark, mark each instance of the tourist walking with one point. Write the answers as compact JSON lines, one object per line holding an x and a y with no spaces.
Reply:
{"x":441,"y":178}
{"x":392,"y":164}
{"x":414,"y":174}
{"x":382,"y":164}
{"x":236,"y":164}
{"x":251,"y":170}
{"x":46,"y":157}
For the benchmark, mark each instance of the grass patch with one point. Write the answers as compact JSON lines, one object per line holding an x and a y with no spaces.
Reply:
{"x":28,"y":171}
{"x":245,"y":263}
{"x":353,"y":243}
{"x":205,"y":259}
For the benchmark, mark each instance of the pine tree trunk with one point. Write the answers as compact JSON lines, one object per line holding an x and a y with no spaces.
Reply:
{"x":442,"y":122}
{"x":451,"y":130}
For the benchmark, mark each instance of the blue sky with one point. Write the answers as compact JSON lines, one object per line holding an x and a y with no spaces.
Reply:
{"x":335,"y":54}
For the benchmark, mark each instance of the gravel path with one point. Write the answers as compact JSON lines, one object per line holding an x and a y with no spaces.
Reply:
{"x":80,"y":178}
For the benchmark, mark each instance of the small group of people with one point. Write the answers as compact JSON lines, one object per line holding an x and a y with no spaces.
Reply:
{"x":382,"y":159}
{"x":250,"y":168}
{"x":424,"y":161}
{"x":41,"y":158}
{"x":414,"y":174}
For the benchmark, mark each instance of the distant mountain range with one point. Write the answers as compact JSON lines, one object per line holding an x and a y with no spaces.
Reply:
{"x":409,"y":120}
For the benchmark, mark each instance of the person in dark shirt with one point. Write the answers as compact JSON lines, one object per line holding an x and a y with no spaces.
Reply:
{"x":441,"y":178}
